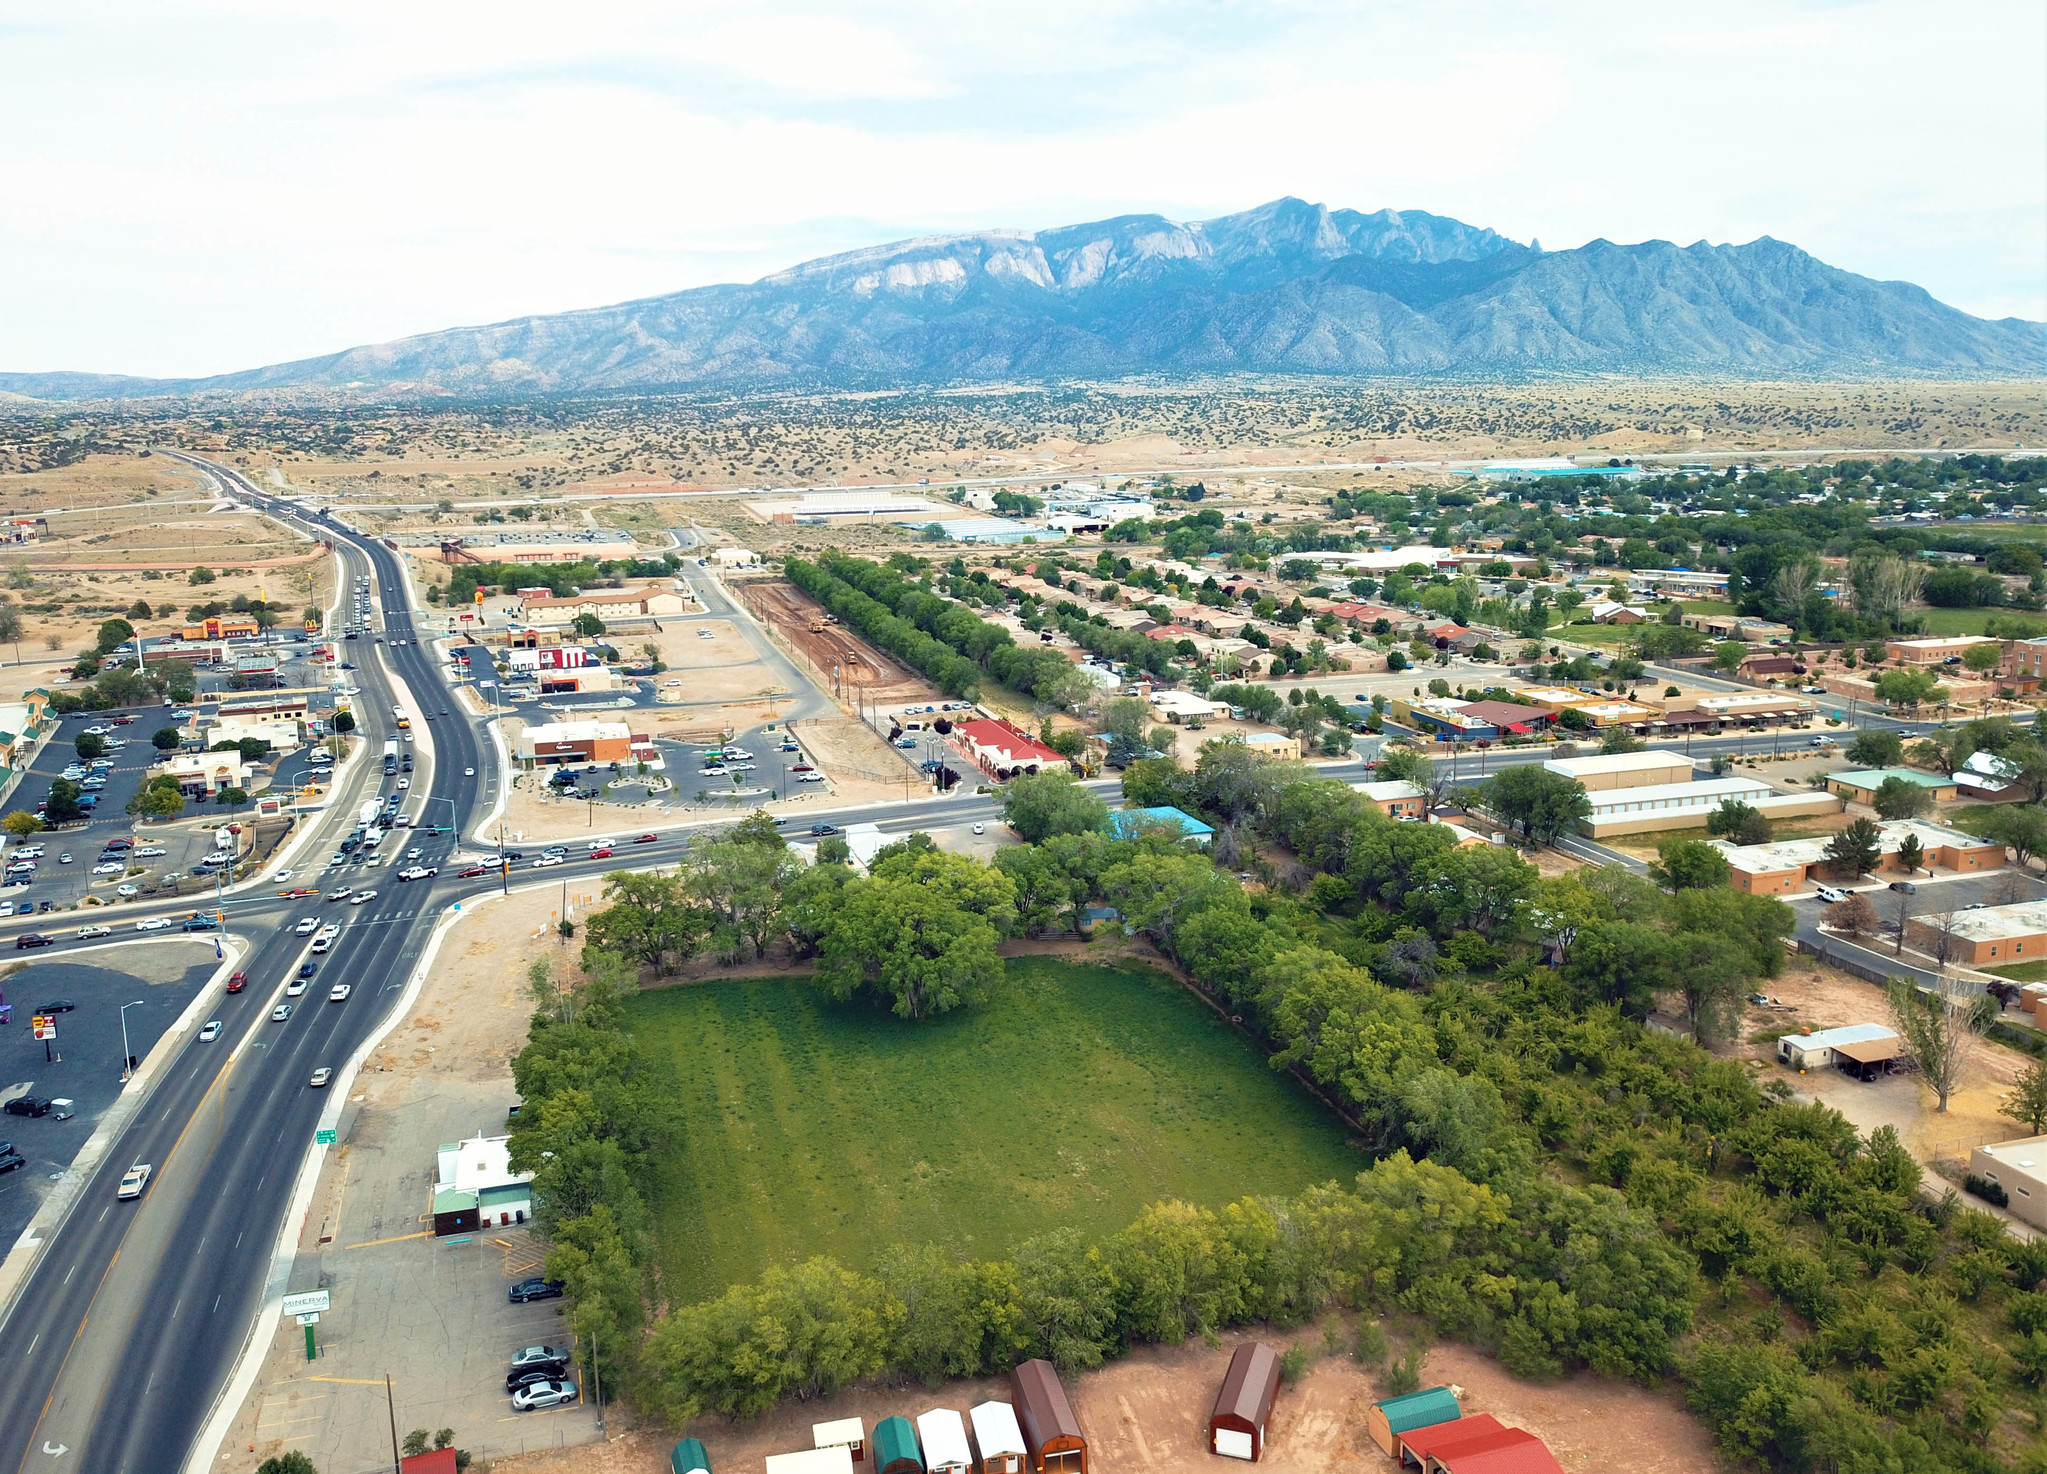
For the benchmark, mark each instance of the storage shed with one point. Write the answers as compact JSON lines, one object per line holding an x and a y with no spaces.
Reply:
{"x":1052,"y":1439}
{"x":1396,"y":1415}
{"x":833,"y":1460}
{"x":895,"y":1447}
{"x":999,"y":1439}
{"x":1236,"y":1425}
{"x":944,"y":1436}
{"x":689,"y":1458}
{"x":1418,"y":1444}
{"x":1509,"y":1451}
{"x":847,"y":1433}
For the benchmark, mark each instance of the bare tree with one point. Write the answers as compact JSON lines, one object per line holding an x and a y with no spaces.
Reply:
{"x":1941,"y":924}
{"x":1795,"y":583}
{"x":1939,"y":1026}
{"x":1881,"y":585}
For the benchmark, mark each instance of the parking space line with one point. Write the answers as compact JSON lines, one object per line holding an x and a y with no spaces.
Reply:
{"x":396,"y":1239}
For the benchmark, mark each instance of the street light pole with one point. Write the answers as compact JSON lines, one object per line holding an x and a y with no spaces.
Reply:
{"x":127,"y":1055}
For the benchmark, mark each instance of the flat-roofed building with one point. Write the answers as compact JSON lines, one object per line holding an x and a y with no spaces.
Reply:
{"x":1745,"y":706}
{"x":1788,"y":866}
{"x":1861,"y":785}
{"x":1651,"y":766}
{"x":1396,"y":797}
{"x":1991,"y":935}
{"x":1689,"y":805}
{"x":575,"y":742}
{"x":1934,"y":651}
{"x":2020,"y":1168}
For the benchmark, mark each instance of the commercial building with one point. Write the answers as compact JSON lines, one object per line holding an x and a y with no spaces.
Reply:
{"x":475,"y":1186}
{"x":574,"y":742}
{"x":1180,"y":706}
{"x":280,"y":734}
{"x":1689,"y":805}
{"x":1396,"y":798}
{"x":223,"y":627}
{"x":1243,"y":1404}
{"x":1991,"y":935}
{"x":1743,"y":706}
{"x":648,"y":601}
{"x":1934,"y":651}
{"x":1277,"y":745}
{"x":1650,"y":767}
{"x":1861,"y":785}
{"x":1791,"y":865}
{"x":203,"y":774}
{"x":1004,"y":749}
{"x":817,"y":508}
{"x":2020,"y":1168}
{"x":1471,"y":721}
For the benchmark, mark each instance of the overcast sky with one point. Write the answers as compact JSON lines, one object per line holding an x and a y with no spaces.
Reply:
{"x":191,"y":187}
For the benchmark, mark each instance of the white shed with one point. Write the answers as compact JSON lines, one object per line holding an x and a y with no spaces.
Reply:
{"x":847,"y":1433}
{"x":837,"y":1459}
{"x":998,"y":1437}
{"x":944,"y":1438}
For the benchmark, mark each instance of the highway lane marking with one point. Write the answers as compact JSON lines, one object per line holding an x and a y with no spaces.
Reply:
{"x":216,"y":1306}
{"x":68,"y":1273}
{"x":394,"y":1239}
{"x":32,"y":1346}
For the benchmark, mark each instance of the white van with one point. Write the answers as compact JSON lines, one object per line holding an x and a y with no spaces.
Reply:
{"x":1831,"y":894}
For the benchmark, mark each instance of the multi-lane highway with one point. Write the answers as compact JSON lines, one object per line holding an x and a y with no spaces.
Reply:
{"x":123,"y":1336}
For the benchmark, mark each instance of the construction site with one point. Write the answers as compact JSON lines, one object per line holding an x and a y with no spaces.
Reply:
{"x":853,"y":672}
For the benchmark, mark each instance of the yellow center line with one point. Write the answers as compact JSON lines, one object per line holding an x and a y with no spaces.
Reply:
{"x":398,"y":1239}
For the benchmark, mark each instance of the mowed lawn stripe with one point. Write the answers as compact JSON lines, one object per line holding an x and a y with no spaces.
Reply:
{"x":1075,"y":1097}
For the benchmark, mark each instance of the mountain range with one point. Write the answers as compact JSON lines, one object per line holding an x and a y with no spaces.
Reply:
{"x":1289,"y":287}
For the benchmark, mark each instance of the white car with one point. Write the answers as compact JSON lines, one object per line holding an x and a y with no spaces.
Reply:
{"x":469,"y":772}
{"x":543,"y":1394}
{"x":545,"y":861}
{"x":323,"y":943}
{"x":280,"y":1013}
{"x":419,"y":872}
{"x":154,"y":923}
{"x":295,"y":987}
{"x":108,"y":869}
{"x":126,"y":892}
{"x":211,"y":1032}
{"x":405,"y":783}
{"x":339,"y":993}
{"x":980,"y":829}
{"x":717,"y":771}
{"x":134,"y":1180}
{"x":307,"y":925}
{"x":283,"y":875}
{"x":810,"y":777}
{"x":151,"y":851}
{"x":361,"y":896}
{"x":87,"y":933}
{"x":329,"y":932}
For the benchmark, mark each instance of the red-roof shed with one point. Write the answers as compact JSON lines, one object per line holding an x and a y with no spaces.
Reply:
{"x":1415,"y":1446}
{"x":1509,"y":1451}
{"x":1052,"y":1436}
{"x":1236,"y":1425}
{"x":439,"y":1461}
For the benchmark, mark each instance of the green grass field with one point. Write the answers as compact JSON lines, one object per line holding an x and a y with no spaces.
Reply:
{"x":1076,"y":1097}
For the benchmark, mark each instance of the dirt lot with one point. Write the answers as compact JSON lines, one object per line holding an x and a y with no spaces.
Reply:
{"x":879,"y":681}
{"x":1149,"y":1411}
{"x":722,"y":668}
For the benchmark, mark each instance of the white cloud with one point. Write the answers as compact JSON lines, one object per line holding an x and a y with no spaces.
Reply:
{"x":212,"y":186}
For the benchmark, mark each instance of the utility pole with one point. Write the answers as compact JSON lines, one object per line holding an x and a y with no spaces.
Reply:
{"x":597,"y":1381}
{"x":391,"y":1406}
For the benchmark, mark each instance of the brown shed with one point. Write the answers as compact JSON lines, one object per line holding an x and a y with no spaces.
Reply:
{"x":1052,"y":1439}
{"x":1236,"y":1426}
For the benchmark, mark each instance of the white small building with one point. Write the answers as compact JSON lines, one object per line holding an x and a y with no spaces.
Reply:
{"x":475,"y":1186}
{"x":282,"y":735}
{"x":1179,"y":706}
{"x":1818,"y":1051}
{"x":205,"y":773}
{"x":847,"y":1433}
{"x":865,"y":841}
{"x":999,"y":1438}
{"x":944,"y":1436}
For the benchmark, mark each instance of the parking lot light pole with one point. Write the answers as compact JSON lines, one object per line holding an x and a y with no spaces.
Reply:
{"x":127,"y":1055}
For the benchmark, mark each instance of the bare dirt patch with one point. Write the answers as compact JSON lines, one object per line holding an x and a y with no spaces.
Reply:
{"x":1149,"y":1411}
{"x":844,"y":663}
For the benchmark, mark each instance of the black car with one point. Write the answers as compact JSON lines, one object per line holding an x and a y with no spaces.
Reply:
{"x":33,"y":939}
{"x":56,"y":1005}
{"x":198,"y":923}
{"x":528,"y":1376}
{"x":824,"y":829}
{"x":307,"y":969}
{"x":10,"y":1160}
{"x":27,"y":1105}
{"x":537,"y":1288}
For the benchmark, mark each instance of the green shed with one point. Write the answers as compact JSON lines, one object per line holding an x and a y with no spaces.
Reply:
{"x":689,"y":1458}
{"x":1398,"y":1415}
{"x":895,"y":1446}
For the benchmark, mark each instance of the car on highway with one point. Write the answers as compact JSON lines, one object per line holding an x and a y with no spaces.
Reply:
{"x":469,"y":772}
{"x":295,"y":987}
{"x":238,"y":982}
{"x":648,"y":839}
{"x":546,"y":862}
{"x":823,"y":829}
{"x":339,"y":992}
{"x":299,"y":893}
{"x":404,"y":783}
{"x":87,"y":933}
{"x":471,"y":872}
{"x":199,"y":923}
{"x":419,"y":872}
{"x":603,"y":854}
{"x":323,"y":943}
{"x":549,"y":1393}
{"x":33,"y":939}
{"x":307,"y":925}
{"x":320,"y":1077}
{"x":27,"y":1105}
{"x":211,"y":1032}
{"x":134,"y":1180}
{"x":280,"y":1013}
{"x":339,"y":893}
{"x":362,"y":896}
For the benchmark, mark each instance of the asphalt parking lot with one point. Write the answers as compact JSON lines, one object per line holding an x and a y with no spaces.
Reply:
{"x":1998,"y":888}
{"x":165,"y":976}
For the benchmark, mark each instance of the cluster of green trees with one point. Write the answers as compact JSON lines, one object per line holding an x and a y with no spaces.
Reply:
{"x":561,"y":578}
{"x":165,"y":680}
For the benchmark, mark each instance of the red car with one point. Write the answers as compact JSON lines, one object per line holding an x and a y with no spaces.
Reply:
{"x":238,"y":982}
{"x":648,"y":839}
{"x":600,"y":854}
{"x":472,"y":872}
{"x":297,"y":891}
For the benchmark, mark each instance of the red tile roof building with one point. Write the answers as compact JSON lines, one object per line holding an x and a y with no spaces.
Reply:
{"x":1005,"y":749}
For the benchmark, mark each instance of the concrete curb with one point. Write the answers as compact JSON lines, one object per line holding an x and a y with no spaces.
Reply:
{"x":249,"y":1360}
{"x":49,"y":1219}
